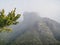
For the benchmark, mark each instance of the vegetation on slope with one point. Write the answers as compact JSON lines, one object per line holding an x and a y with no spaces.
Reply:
{"x":8,"y":19}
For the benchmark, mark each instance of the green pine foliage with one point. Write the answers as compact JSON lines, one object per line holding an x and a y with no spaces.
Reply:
{"x":7,"y":20}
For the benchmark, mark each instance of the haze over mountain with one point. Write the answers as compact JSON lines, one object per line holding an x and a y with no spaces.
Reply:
{"x":33,"y":30}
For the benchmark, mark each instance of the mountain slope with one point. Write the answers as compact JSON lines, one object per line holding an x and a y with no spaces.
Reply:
{"x":54,"y":27}
{"x":34,"y":30}
{"x":36,"y":36}
{"x":37,"y":32}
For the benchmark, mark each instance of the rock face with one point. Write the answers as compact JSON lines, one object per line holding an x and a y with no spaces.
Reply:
{"x":35,"y":30}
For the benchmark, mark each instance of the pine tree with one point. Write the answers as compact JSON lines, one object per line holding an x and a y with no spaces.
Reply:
{"x":7,"y":20}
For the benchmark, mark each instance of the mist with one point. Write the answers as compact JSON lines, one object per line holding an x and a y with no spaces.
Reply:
{"x":38,"y":24}
{"x":45,"y":8}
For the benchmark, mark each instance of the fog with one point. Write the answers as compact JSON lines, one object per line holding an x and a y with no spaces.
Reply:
{"x":45,"y":8}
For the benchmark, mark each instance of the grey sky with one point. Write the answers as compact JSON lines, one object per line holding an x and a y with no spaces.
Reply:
{"x":46,"y":8}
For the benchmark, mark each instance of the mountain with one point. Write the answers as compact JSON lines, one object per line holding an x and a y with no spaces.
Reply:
{"x":33,"y":30}
{"x":54,"y":27}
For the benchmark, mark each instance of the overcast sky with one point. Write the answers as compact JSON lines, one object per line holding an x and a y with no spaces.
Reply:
{"x":45,"y":8}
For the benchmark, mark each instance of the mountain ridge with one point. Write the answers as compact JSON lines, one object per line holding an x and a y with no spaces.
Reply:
{"x":34,"y":30}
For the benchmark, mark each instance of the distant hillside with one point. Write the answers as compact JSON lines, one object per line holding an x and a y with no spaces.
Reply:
{"x":34,"y":30}
{"x":54,"y":27}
